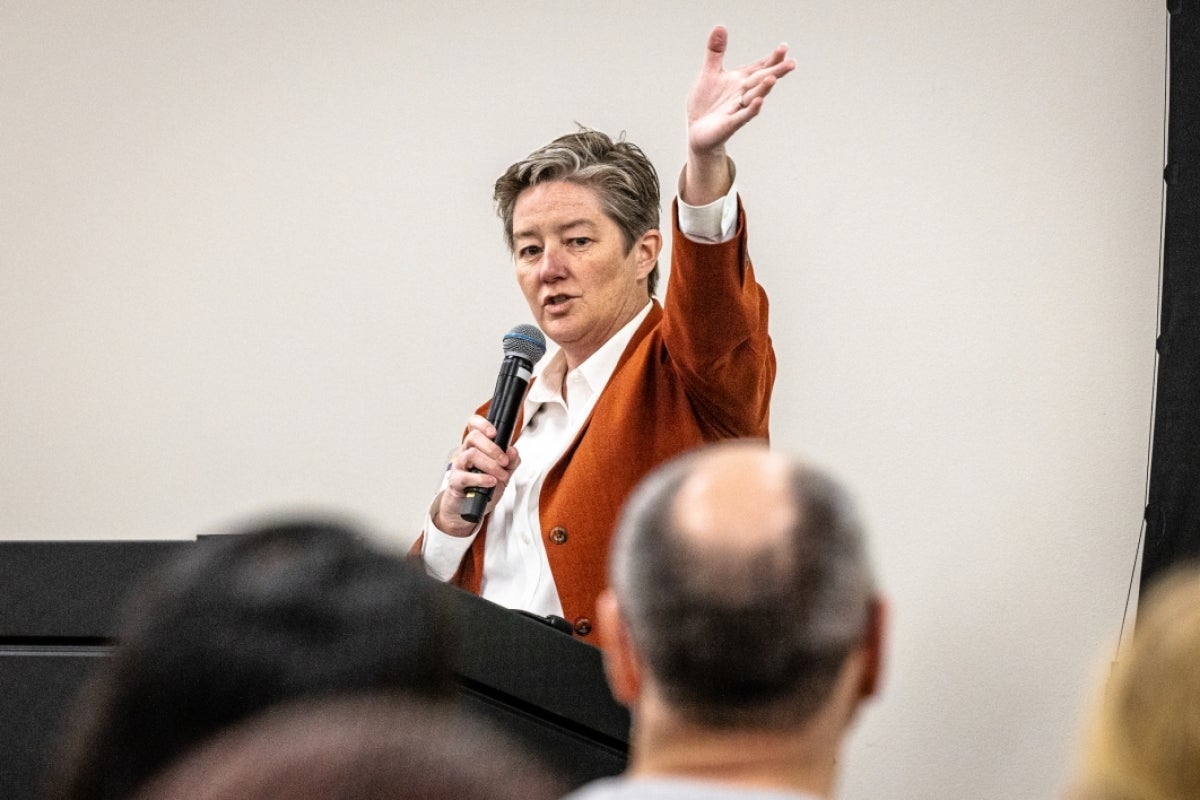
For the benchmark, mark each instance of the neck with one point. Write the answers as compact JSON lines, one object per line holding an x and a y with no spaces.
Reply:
{"x":802,"y":758}
{"x":797,"y":761}
{"x":576,"y":354}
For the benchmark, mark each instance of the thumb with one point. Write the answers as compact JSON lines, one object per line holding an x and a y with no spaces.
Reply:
{"x":714,"y":57}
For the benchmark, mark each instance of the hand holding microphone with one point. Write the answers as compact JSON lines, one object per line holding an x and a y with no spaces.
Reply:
{"x":523,"y":346}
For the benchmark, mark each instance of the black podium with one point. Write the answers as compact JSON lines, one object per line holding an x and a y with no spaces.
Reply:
{"x":58,"y":605}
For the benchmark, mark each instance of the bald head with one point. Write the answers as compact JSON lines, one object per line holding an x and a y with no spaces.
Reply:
{"x":743,"y":579}
{"x":735,"y":508}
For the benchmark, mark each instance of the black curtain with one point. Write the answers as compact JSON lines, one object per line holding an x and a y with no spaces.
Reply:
{"x":1173,"y":512}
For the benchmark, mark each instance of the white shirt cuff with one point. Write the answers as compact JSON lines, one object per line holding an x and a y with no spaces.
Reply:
{"x":713,"y":223}
{"x":443,"y":553}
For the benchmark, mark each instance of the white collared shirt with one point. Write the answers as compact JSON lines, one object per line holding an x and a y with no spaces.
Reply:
{"x":516,"y":569}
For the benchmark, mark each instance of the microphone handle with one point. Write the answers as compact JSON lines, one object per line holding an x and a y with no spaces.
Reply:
{"x":511,"y":384}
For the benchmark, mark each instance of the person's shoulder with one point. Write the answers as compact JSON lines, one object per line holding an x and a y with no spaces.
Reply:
{"x":673,"y":789}
{"x":601,"y":789}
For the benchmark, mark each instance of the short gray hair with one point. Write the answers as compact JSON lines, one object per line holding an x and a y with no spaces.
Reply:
{"x":618,"y":171}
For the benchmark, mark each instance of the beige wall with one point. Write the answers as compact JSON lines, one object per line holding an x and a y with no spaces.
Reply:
{"x":248,"y":262}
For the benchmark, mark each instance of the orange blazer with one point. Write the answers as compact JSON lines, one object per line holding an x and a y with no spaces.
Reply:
{"x":699,"y":369}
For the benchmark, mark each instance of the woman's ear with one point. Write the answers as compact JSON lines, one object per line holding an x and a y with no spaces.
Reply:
{"x":648,"y":248}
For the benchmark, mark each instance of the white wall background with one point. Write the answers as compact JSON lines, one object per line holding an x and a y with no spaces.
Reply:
{"x":248,"y":262}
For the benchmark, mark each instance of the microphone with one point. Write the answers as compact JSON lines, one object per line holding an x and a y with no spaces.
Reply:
{"x":524,"y":346}
{"x":554,"y":621}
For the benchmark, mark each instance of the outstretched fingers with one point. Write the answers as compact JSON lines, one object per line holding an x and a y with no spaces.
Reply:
{"x":774,"y":66}
{"x":771,"y":61}
{"x":753,"y":93}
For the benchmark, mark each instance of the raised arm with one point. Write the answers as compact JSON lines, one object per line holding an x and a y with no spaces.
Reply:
{"x":719,"y":103}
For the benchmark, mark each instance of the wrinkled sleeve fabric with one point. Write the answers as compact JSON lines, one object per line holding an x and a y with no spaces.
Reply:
{"x":715,"y":329}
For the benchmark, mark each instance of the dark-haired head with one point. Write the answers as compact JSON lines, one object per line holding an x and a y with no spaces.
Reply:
{"x":286,"y":610}
{"x":364,"y":748}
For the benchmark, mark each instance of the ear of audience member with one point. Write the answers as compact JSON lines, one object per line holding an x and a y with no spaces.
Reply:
{"x":366,"y":748}
{"x":291,"y":609}
{"x":1144,"y":740}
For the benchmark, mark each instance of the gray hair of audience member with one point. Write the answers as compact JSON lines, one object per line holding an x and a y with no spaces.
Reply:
{"x":284,"y":610}
{"x":365,"y":748}
{"x":738,"y":639}
{"x":620,"y":174}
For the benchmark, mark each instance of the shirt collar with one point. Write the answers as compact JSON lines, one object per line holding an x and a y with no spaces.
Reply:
{"x":596,"y":368}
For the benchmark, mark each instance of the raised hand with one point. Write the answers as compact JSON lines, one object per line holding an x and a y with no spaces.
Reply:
{"x":720,"y":102}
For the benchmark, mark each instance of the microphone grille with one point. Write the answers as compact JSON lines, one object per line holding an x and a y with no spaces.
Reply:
{"x":525,"y":341}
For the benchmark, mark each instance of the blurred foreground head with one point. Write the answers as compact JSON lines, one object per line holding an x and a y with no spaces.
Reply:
{"x":1145,"y":737}
{"x":743,"y":580}
{"x":359,"y":749}
{"x":282,"y":611}
{"x":742,"y":611}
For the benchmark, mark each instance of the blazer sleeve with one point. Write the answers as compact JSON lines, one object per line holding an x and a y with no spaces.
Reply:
{"x":715,"y":331}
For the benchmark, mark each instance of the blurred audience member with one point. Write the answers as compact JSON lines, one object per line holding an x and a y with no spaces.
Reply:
{"x":288,"y":610}
{"x":1144,"y":742}
{"x":358,"y":749}
{"x":742,"y":628}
